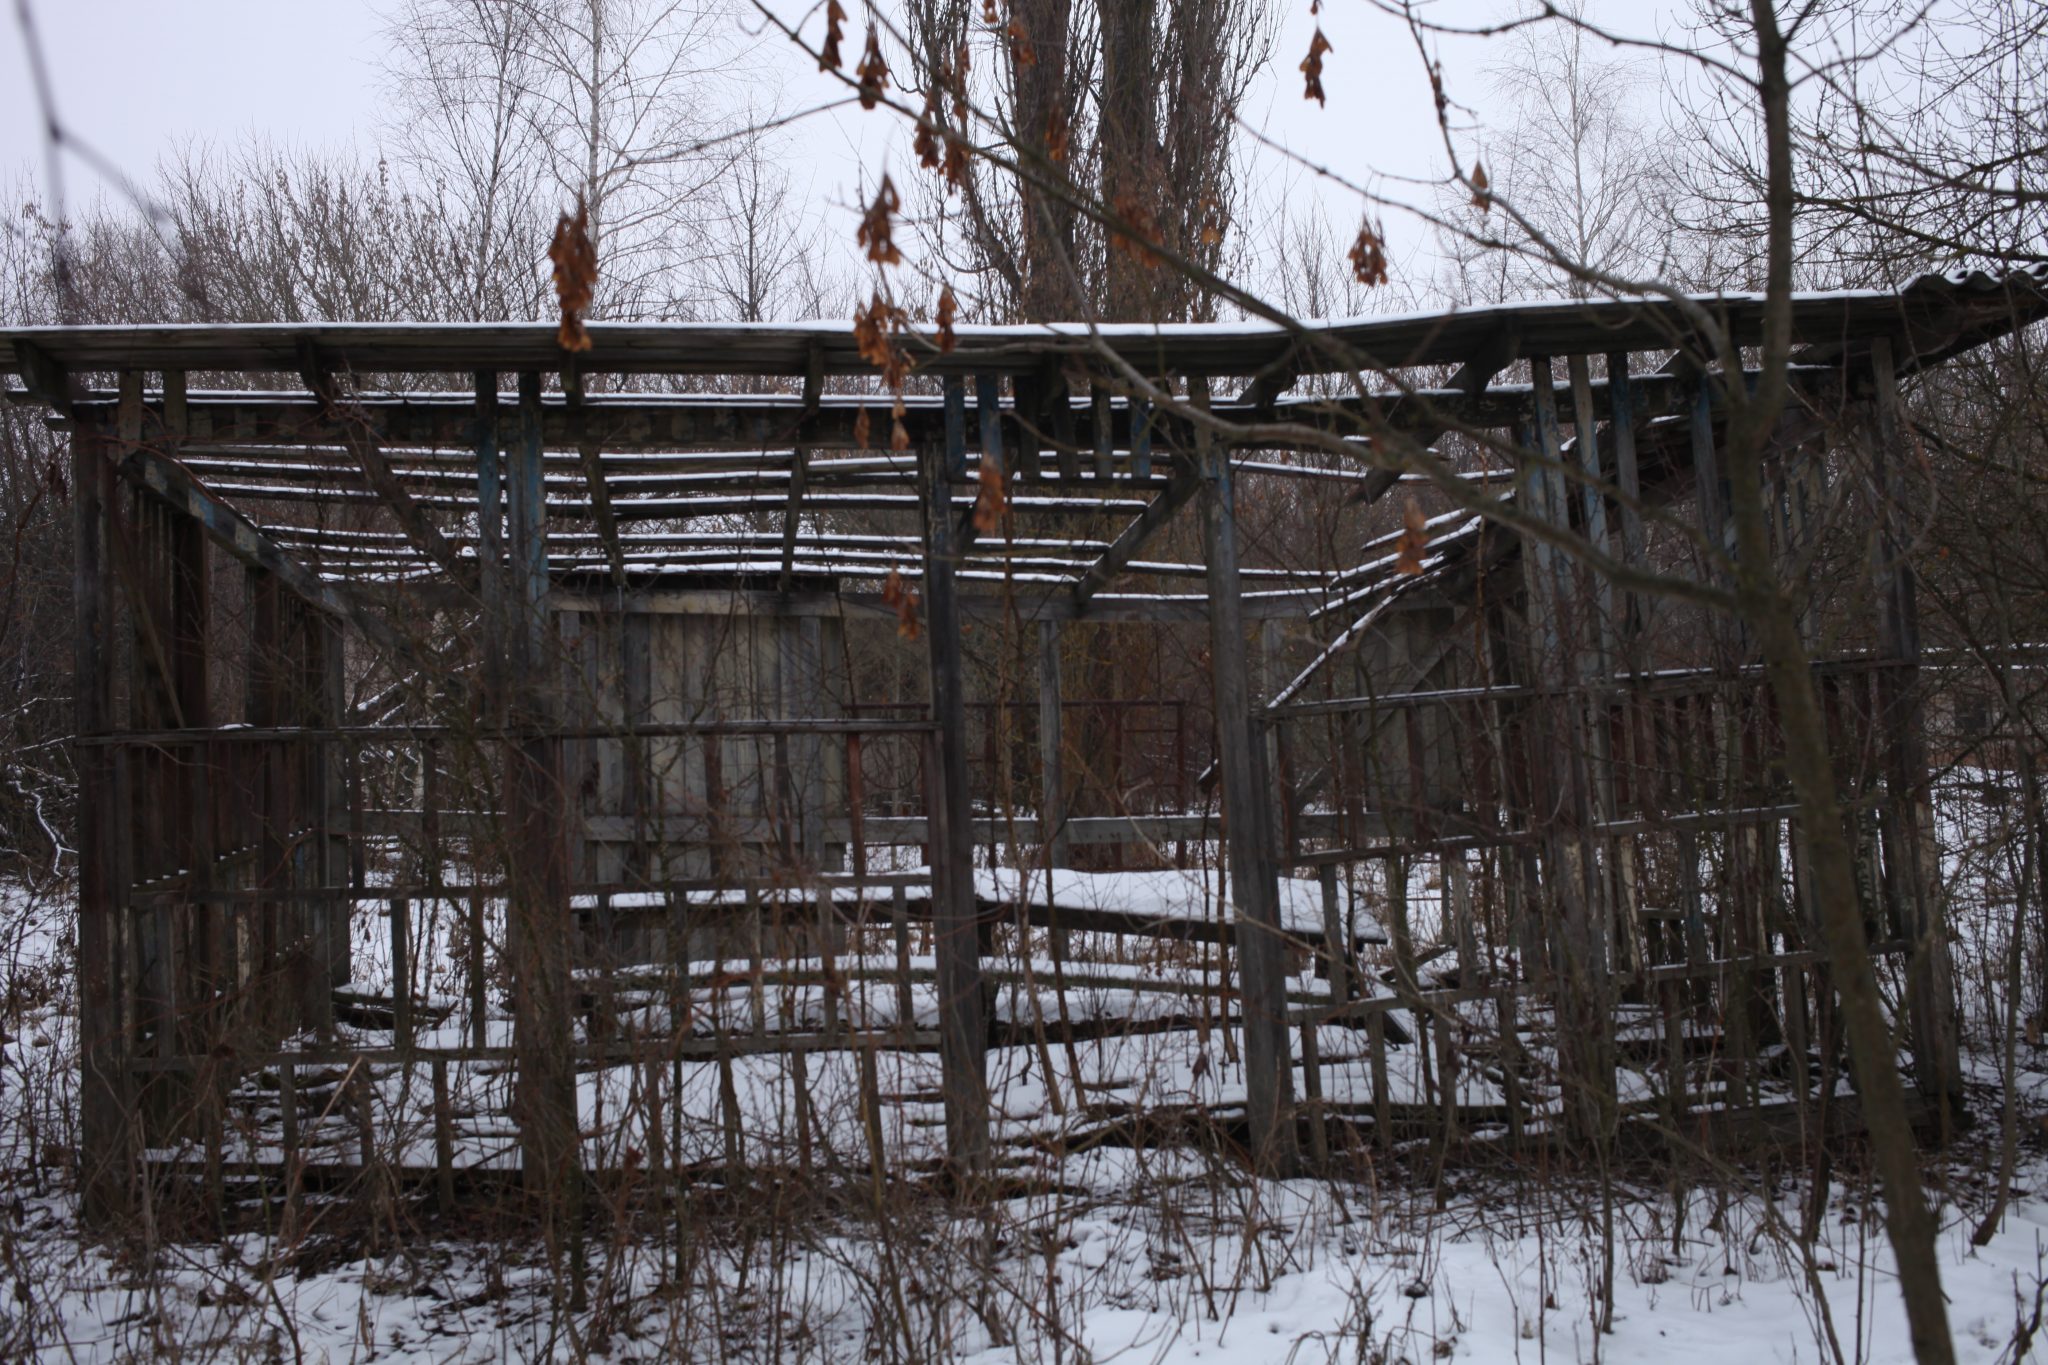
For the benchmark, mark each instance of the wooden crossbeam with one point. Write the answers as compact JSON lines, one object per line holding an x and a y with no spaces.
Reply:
{"x":792,"y":518}
{"x":748,"y":424}
{"x":588,"y":454}
{"x":1471,"y":381}
{"x":361,"y":440}
{"x":163,"y":476}
{"x":240,"y":537}
{"x":1182,"y":486}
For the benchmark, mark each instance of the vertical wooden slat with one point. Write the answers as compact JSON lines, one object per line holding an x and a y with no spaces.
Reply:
{"x":1246,"y":813}
{"x":899,"y":924}
{"x":1914,"y":858}
{"x":1052,"y":812}
{"x":401,"y":974}
{"x":988,"y":407}
{"x":1105,"y":436}
{"x":444,"y":1140}
{"x":537,"y":920}
{"x":1336,"y":953}
{"x":1382,"y":1101}
{"x":963,"y":1030}
{"x":103,"y":1157}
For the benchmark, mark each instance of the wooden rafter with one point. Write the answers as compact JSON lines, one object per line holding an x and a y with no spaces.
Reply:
{"x":792,"y":517}
{"x":589,"y":455}
{"x":362,"y":441}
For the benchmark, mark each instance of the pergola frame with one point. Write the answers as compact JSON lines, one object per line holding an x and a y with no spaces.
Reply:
{"x":480,"y":490}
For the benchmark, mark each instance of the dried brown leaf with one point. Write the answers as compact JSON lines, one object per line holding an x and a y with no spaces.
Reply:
{"x":1482,"y":189}
{"x":1020,"y":44}
{"x":877,"y":228}
{"x":1414,"y":539}
{"x":1136,"y":232}
{"x":1312,"y":66}
{"x":876,"y":332}
{"x":948,"y":306}
{"x":1369,"y":256}
{"x":926,"y":143}
{"x":835,"y":33}
{"x":1056,"y":135}
{"x":873,"y":72}
{"x":575,"y":260}
{"x":861,"y":426}
{"x":898,"y":595}
{"x":990,"y":501}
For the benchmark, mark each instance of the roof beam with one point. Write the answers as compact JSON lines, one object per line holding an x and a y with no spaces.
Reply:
{"x":589,"y":456}
{"x":239,"y":536}
{"x":1181,"y":486}
{"x":792,"y":517}
{"x":1470,"y":381}
{"x":1938,"y":315}
{"x":746,"y":425}
{"x":361,"y":439}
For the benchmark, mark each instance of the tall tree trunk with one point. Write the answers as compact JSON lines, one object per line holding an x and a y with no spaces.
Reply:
{"x":1769,"y":612}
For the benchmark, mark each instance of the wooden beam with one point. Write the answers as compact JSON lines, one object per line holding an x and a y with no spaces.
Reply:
{"x":537,"y":923}
{"x":589,"y":453}
{"x":792,"y":517}
{"x":1254,"y":886}
{"x":963,"y":1028}
{"x":361,"y":438}
{"x":1913,"y":854}
{"x":1938,"y":316}
{"x":240,"y":537}
{"x":1495,"y":353}
{"x":988,"y":405}
{"x":1052,"y":810}
{"x":105,"y":1170}
{"x":490,"y":541}
{"x":1158,"y":514}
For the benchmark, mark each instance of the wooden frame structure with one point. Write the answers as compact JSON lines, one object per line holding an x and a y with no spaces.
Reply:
{"x":222,"y":844}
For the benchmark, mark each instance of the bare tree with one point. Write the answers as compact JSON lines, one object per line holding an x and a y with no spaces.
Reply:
{"x":536,"y":105}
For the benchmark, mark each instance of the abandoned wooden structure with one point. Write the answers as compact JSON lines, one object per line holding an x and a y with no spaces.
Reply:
{"x":525,"y":739}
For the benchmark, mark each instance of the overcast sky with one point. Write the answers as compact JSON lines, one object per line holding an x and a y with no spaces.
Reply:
{"x":138,"y":78}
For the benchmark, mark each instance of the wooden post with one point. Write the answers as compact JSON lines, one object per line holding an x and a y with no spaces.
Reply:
{"x":105,"y":1174}
{"x":490,"y":543}
{"x":537,"y":920}
{"x":444,"y":1140}
{"x":963,"y":1028}
{"x":1052,"y":808}
{"x":1914,"y":859}
{"x":1254,"y":884}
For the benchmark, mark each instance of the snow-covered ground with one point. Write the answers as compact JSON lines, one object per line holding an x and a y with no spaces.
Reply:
{"x":1105,"y":1254}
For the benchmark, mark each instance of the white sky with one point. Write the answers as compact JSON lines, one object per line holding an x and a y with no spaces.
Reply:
{"x":138,"y":78}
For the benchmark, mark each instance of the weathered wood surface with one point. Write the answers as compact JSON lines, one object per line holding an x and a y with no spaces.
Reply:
{"x":1936,"y":313}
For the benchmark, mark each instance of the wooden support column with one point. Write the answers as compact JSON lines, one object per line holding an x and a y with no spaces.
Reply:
{"x":1567,"y":754}
{"x":1913,"y":856}
{"x":1052,"y":807}
{"x":1247,"y":817}
{"x":490,"y":542}
{"x":963,"y":1025}
{"x":106,"y":1173}
{"x":537,"y":924}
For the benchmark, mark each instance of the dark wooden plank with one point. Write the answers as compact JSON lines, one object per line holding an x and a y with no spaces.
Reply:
{"x":963,"y":1027}
{"x":1253,"y":877}
{"x":1937,"y":316}
{"x":1158,"y":514}
{"x":1052,"y":810}
{"x":104,"y":1172}
{"x":589,"y":454}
